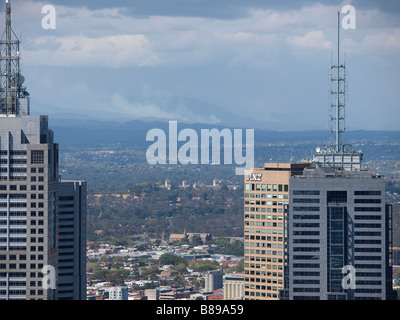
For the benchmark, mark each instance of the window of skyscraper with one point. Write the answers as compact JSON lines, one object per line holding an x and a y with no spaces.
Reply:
{"x":37,"y":157}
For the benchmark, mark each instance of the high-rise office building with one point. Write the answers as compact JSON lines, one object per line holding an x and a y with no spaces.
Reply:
{"x":28,"y":202}
{"x":332,"y":234}
{"x":29,"y":190}
{"x":266,"y":197}
{"x":339,"y":226}
{"x":339,"y":236}
{"x":71,"y":240}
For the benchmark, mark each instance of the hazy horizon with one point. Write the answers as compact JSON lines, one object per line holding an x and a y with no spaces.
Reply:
{"x":260,"y":63}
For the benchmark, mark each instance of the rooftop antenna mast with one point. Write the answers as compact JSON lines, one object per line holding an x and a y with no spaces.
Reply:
{"x":10,"y":78}
{"x":338,"y":154}
{"x":337,"y":107}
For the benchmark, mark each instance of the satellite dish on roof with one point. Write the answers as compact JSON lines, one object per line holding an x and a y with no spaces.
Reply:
{"x":21,"y":79}
{"x":17,"y":81}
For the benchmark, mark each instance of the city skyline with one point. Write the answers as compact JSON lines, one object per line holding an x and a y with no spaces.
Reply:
{"x":122,"y":62}
{"x":130,"y":60}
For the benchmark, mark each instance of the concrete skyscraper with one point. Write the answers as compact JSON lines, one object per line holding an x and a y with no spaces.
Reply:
{"x":332,"y":234}
{"x":29,"y":189}
{"x":339,"y":225}
{"x":339,"y":236}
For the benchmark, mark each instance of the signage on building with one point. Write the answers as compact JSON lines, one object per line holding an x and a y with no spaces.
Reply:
{"x":254,"y":177}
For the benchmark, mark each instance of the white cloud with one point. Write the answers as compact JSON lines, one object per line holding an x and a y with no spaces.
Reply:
{"x":388,"y":41}
{"x":110,"y":38}
{"x":378,"y":43}
{"x":111,"y":51}
{"x":311,"y":40}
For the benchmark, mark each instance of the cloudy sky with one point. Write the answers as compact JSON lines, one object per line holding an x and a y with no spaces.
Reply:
{"x":264,"y":61}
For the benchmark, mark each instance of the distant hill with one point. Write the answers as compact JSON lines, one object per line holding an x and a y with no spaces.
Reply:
{"x":81,"y":133}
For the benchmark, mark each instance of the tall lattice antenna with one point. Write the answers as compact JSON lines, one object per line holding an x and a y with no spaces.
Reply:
{"x":338,"y":153}
{"x":11,"y":79}
{"x":337,"y":107}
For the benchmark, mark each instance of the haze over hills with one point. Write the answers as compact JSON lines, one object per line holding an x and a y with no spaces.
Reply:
{"x":134,"y":117}
{"x":163,"y":108}
{"x":72,"y":132}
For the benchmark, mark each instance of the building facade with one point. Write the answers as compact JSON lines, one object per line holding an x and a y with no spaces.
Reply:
{"x":266,"y":195}
{"x":339,"y":236}
{"x":30,"y":255}
{"x":72,"y":240}
{"x":28,"y":207}
{"x":233,"y":287}
{"x":118,"y":293}
{"x":213,"y":280}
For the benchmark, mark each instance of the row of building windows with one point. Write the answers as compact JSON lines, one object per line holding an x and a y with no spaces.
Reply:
{"x":12,"y":170}
{"x":356,"y":209}
{"x":305,"y":217}
{"x":265,"y":266}
{"x":13,"y":205}
{"x":13,"y":152}
{"x":262,"y":274}
{"x":266,"y":187}
{"x":13,"y":240}
{"x":13,"y":274}
{"x":12,"y":161}
{"x":22,"y":239}
{"x":12,"y":248}
{"x":269,"y":259}
{"x":21,"y":205}
{"x":263,"y":224}
{"x":21,"y":266}
{"x":263,"y":202}
{"x":260,"y":294}
{"x":37,"y":179}
{"x":256,"y":251}
{"x":13,"y":196}
{"x":263,"y":259}
{"x":356,"y":258}
{"x":22,"y":187}
{"x":13,"y":283}
{"x":263,"y":245}
{"x":13,"y":231}
{"x":258,"y":209}
{"x":263,"y":216}
{"x":266,"y":231}
{"x":20,"y":257}
{"x":316,"y":193}
{"x":20,"y":196}
{"x":317,"y":200}
{"x":263,"y":238}
{"x":317,"y":217}
{"x":266,"y":195}
{"x":356,"y":225}
{"x":262,"y":280}
{"x":262,"y":287}
{"x":309,"y":209}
